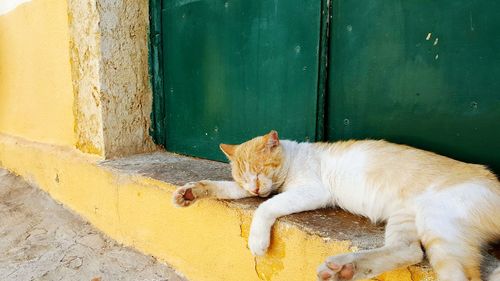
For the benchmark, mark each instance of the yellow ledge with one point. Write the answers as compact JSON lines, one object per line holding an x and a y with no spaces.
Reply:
{"x":206,"y":242}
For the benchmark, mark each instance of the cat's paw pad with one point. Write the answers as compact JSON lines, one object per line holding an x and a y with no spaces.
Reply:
{"x":183,"y":196}
{"x":333,"y":271}
{"x":258,"y":243}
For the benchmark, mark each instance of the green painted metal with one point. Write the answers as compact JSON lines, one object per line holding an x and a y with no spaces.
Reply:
{"x":156,"y":72}
{"x":236,"y":69}
{"x":323,"y":69}
{"x":425,"y":73}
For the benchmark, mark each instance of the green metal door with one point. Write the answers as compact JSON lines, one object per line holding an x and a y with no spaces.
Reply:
{"x":420,"y":73}
{"x":233,"y":70}
{"x":425,"y":73}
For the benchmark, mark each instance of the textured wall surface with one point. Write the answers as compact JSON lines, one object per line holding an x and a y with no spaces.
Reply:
{"x":36,"y":97}
{"x":109,"y":58}
{"x":85,"y":58}
{"x":125,"y":90}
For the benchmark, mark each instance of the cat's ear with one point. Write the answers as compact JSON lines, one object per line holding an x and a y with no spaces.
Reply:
{"x":272,"y":139}
{"x":228,"y":149}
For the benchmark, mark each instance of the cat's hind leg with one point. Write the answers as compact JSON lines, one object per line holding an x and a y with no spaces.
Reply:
{"x":453,"y":253}
{"x":453,"y":222}
{"x":402,"y":248}
{"x":448,"y":264}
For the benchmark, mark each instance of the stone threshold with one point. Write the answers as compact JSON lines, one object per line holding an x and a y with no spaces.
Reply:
{"x":329,"y":224}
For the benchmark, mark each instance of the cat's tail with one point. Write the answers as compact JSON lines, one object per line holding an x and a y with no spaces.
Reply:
{"x":494,"y":231}
{"x":495,"y":274}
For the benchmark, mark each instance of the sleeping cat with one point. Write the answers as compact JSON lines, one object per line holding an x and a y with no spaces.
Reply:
{"x":450,"y":207}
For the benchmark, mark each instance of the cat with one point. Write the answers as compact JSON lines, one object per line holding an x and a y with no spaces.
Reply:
{"x":449,"y":207}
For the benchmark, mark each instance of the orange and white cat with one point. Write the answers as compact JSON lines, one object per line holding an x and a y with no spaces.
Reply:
{"x":450,"y":207}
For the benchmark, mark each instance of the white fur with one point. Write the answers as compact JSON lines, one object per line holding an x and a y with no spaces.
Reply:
{"x":439,"y":211}
{"x":342,"y":176}
{"x":301,"y":198}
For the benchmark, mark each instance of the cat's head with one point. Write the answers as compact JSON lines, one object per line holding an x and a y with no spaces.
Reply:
{"x":256,"y":164}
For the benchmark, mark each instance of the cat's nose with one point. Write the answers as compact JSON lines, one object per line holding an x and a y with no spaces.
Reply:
{"x":256,"y":191}
{"x":257,"y":186}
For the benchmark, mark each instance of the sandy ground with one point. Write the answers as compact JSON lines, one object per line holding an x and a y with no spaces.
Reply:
{"x":41,"y":240}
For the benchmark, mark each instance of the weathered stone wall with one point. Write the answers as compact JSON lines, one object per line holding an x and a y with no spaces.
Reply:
{"x":109,"y":57}
{"x":85,"y":52}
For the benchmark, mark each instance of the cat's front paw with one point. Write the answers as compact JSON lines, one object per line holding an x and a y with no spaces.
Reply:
{"x":184,"y":196}
{"x":258,"y":241}
{"x":336,"y":268}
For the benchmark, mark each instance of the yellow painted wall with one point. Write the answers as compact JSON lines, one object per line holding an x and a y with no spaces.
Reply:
{"x":36,"y":94}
